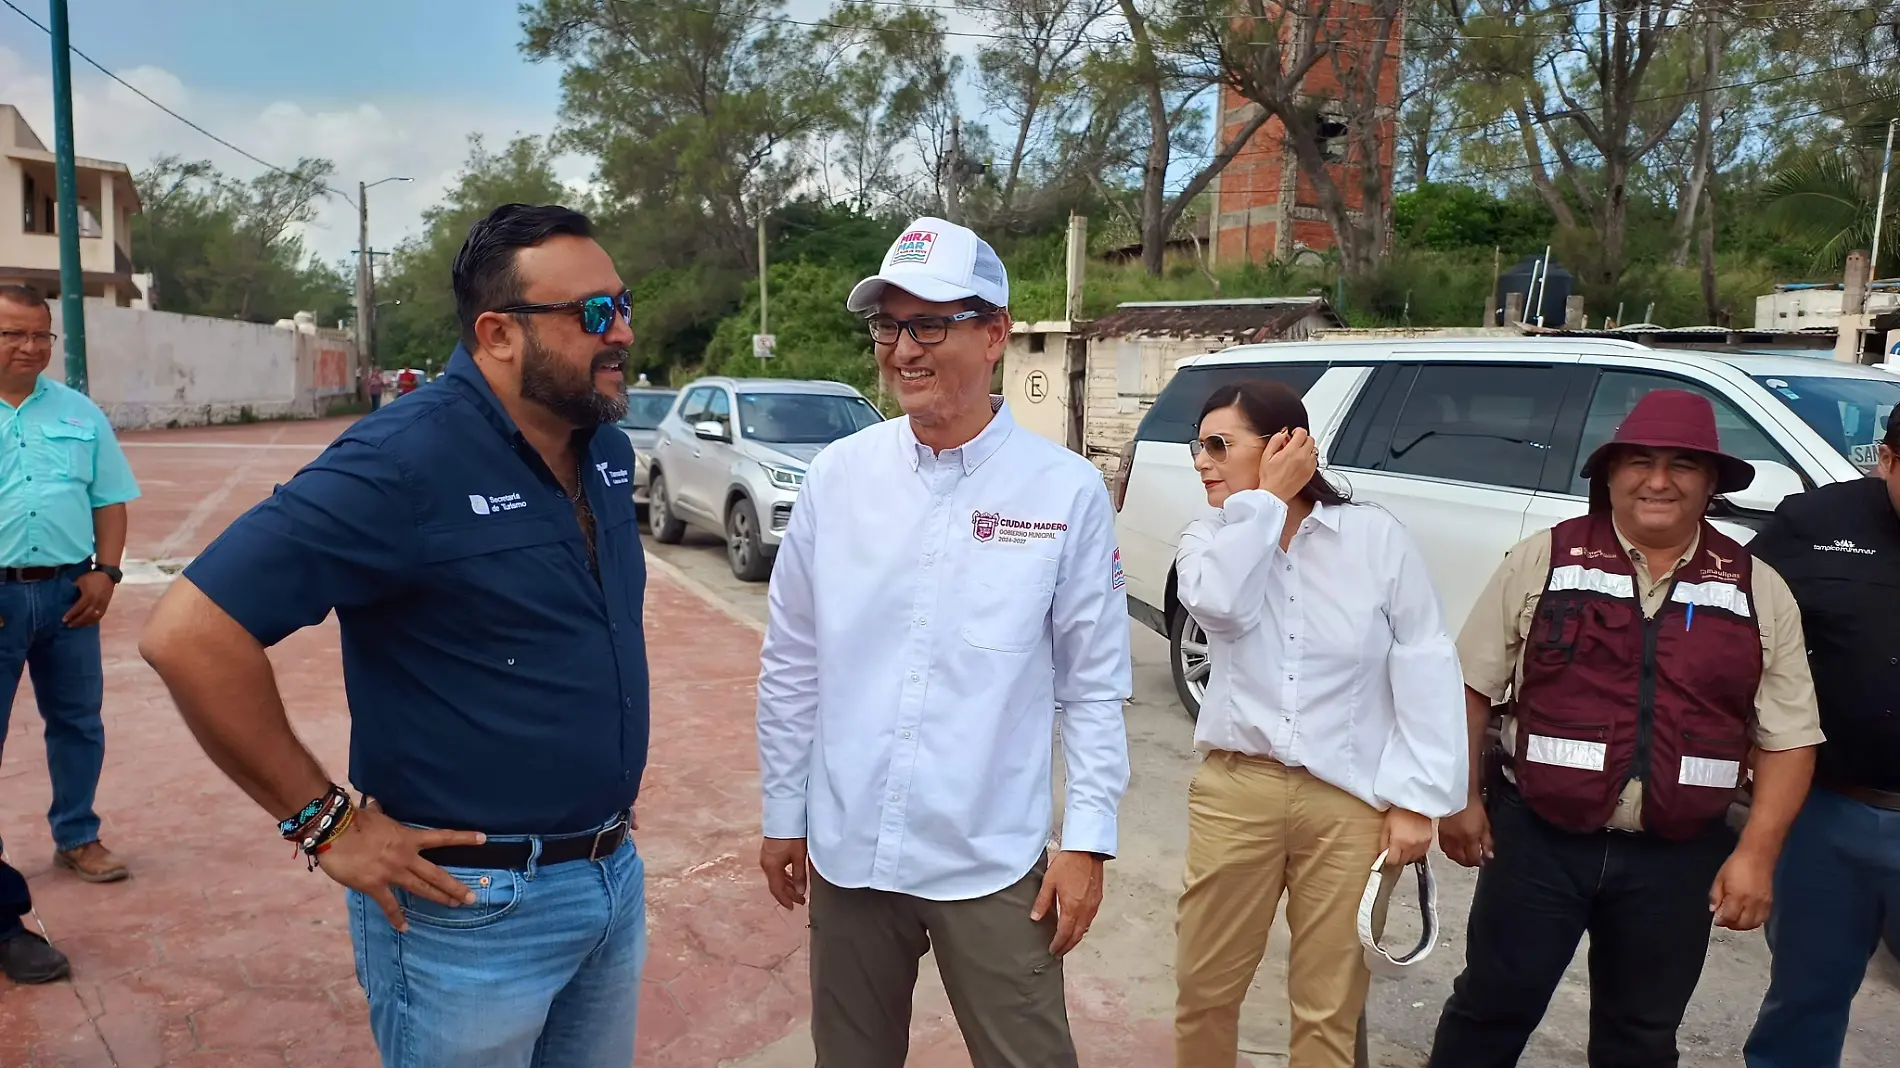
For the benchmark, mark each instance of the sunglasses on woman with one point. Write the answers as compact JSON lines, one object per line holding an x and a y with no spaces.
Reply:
{"x":596,"y":313}
{"x":1216,"y":446}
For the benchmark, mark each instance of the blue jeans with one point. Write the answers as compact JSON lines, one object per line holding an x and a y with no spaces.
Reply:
{"x":70,"y":683}
{"x":1837,"y":888}
{"x":542,"y":971}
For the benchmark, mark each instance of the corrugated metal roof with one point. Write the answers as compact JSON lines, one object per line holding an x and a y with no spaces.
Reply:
{"x":1242,"y":320}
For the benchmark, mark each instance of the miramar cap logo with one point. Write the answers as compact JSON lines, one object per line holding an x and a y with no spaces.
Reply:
{"x":914,"y":247}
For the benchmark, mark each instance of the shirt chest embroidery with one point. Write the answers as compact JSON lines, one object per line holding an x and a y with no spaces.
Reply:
{"x":484,"y":504}
{"x":994,"y":528}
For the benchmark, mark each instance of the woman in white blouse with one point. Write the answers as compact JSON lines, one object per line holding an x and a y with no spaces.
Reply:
{"x":1333,"y":727}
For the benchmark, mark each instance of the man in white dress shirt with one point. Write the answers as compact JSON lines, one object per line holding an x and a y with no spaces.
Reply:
{"x":949,"y":588}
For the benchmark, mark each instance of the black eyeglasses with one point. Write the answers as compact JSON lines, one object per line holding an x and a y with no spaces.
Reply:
{"x":597,"y":313}
{"x":924,"y":329}
{"x":1216,"y":446}
{"x":27,"y":337}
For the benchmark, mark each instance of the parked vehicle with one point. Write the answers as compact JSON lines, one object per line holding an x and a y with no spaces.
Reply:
{"x":732,"y":455}
{"x":1474,"y":445}
{"x":646,"y":407}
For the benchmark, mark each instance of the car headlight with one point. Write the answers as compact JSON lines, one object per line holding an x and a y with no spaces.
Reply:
{"x":783,"y":477}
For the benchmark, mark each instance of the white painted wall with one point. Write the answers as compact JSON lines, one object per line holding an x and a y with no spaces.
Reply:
{"x":155,"y":368}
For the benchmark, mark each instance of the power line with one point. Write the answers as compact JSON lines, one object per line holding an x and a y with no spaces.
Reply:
{"x":145,"y":97}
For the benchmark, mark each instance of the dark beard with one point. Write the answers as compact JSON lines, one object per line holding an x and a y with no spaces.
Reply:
{"x":546,"y":381}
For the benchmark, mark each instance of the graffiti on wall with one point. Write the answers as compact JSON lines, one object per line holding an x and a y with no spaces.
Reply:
{"x":333,"y":370}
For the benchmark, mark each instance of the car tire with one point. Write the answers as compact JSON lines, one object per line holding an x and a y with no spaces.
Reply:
{"x":745,"y":547}
{"x":666,"y":528}
{"x":1187,"y":656}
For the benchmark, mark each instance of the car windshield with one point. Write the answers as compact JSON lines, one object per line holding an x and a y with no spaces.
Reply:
{"x":1849,"y":413}
{"x":803,"y":418}
{"x":645,"y":410}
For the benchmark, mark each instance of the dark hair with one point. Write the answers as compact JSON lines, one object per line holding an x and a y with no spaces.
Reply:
{"x":1893,"y":429}
{"x":1270,"y":407}
{"x":484,"y":276}
{"x":23,"y":294}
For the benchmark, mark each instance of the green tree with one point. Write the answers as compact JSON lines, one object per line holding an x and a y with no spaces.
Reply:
{"x":220,"y":247}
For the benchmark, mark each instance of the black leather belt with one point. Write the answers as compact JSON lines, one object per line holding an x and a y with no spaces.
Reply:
{"x":31,"y":574}
{"x":513,"y":856}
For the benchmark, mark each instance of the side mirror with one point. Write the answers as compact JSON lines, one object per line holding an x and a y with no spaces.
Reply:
{"x":711,"y":431}
{"x":1773,"y":481}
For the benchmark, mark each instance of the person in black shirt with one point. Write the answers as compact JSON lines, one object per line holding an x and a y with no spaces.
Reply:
{"x":1837,"y":889}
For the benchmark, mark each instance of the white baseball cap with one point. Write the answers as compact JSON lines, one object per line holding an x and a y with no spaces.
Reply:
{"x":1378,"y":961}
{"x":936,"y":261}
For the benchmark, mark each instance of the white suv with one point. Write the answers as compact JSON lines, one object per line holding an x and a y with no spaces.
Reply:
{"x":1475,"y":444}
{"x":732,"y":454}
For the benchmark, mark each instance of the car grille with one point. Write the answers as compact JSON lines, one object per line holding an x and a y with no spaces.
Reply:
{"x":781,"y":515}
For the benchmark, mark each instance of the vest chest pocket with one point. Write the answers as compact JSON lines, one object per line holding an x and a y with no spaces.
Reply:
{"x":69,"y":450}
{"x":1561,"y":624}
{"x":1008,"y":601}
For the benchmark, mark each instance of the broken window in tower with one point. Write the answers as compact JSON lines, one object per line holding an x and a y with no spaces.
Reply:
{"x":1331,"y":132}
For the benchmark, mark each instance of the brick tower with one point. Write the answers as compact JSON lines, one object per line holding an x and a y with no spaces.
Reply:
{"x":1265,"y":208}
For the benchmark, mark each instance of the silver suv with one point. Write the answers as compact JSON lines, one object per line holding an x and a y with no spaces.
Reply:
{"x":732,"y":454}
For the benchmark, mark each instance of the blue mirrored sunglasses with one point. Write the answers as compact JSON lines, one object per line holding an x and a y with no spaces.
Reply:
{"x":597,"y":313}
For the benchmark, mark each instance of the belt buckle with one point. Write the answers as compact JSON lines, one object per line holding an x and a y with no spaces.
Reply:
{"x":594,"y":854}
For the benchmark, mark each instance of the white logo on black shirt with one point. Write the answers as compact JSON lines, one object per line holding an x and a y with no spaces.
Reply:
{"x":1844,"y":545}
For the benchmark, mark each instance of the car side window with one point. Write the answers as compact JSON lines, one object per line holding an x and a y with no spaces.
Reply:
{"x":1617,"y":393}
{"x":693,"y":408}
{"x":1484,"y":423}
{"x":1176,"y":413}
{"x":720,"y":409}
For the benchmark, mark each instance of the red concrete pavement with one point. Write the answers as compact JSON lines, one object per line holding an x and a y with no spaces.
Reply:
{"x":223,"y":951}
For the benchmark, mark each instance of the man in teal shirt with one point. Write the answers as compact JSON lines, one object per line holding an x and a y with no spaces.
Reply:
{"x":63,"y":487}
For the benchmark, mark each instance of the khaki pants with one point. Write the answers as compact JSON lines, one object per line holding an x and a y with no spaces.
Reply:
{"x":1004,"y":985}
{"x":1257,"y":829}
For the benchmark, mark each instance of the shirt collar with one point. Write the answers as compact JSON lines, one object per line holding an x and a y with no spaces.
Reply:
{"x":463,"y":374}
{"x":971,"y":454}
{"x":1630,"y":549}
{"x":41,"y":386}
{"x":1327,"y":515}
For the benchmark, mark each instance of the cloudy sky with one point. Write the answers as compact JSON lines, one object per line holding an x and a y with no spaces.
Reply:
{"x":381,"y":87}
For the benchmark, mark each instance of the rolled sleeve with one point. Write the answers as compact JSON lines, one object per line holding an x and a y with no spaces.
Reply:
{"x":341,"y":533}
{"x":1426,"y":764}
{"x":788,"y":672}
{"x":112,"y":481}
{"x":1093,"y":677}
{"x":1786,"y":713}
{"x":1492,"y":639}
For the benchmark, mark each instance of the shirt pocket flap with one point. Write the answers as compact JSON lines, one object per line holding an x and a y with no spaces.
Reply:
{"x":64,"y":431}
{"x":442,"y":544}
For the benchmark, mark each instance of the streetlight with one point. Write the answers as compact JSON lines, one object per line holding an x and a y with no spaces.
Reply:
{"x":365,"y":277}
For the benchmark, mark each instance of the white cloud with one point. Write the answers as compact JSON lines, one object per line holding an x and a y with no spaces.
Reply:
{"x":420,"y":138}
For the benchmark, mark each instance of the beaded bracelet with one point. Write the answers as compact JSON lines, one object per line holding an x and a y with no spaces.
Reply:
{"x":318,"y":824}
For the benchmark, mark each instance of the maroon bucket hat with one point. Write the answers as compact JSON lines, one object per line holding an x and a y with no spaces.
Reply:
{"x":1675,"y":419}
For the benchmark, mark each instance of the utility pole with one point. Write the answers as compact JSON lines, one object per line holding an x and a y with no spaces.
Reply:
{"x":953,"y":191}
{"x":762,"y":327}
{"x":72,"y":284}
{"x":1880,"y":207}
{"x":363,"y":313}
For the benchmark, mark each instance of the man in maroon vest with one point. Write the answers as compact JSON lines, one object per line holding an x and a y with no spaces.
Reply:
{"x":1647,"y":662}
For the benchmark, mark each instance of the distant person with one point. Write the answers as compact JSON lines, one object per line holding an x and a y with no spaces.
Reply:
{"x":1333,"y":729}
{"x":1837,"y":888}
{"x":65,"y":483}
{"x":375,"y":389}
{"x":1649,"y":661}
{"x":406,"y":382}
{"x":479,"y":547}
{"x":948,"y":592}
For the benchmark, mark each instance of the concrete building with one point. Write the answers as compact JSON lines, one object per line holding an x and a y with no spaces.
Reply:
{"x":1265,"y":208}
{"x":29,"y":243}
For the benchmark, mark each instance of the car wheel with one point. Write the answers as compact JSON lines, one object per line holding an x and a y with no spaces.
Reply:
{"x":1187,"y":648}
{"x":666,"y":529}
{"x":745,"y":551}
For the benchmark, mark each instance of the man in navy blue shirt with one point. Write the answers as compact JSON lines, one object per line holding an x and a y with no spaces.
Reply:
{"x":478,"y":545}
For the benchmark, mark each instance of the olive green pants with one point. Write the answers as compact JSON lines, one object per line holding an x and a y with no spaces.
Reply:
{"x":1004,"y":985}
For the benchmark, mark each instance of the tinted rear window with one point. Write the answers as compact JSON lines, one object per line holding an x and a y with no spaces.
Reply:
{"x":1177,"y":411}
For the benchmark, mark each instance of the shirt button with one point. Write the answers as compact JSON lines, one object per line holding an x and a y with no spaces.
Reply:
{"x":894,"y":797}
{"x":913,"y":676}
{"x":922,"y":622}
{"x":906,"y":734}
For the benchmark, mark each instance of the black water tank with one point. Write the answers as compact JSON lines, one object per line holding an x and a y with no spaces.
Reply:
{"x":1555,"y":290}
